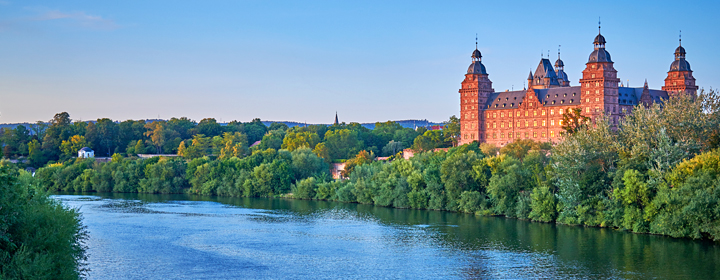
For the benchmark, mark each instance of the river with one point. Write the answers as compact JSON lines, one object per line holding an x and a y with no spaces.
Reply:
{"x":137,"y":236}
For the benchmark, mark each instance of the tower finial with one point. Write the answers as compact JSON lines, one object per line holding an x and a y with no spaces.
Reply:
{"x":558,"y":51}
{"x":680,"y":38}
{"x":476,"y":41}
{"x":598,"y":25}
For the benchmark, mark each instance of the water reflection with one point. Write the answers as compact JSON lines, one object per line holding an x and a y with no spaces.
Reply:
{"x":197,"y":237}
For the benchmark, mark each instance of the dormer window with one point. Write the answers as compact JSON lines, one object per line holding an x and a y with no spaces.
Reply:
{"x":562,"y":101}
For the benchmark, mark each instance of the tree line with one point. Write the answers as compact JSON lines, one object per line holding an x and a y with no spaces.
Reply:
{"x":60,"y":139}
{"x":657,"y":171}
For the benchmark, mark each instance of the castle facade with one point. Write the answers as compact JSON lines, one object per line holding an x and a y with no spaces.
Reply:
{"x":536,"y":112}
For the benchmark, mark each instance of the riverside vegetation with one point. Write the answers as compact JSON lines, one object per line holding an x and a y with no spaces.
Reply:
{"x":657,"y":172}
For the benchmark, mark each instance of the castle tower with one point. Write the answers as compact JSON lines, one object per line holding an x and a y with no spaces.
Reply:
{"x":476,"y":88}
{"x":599,"y":83}
{"x":680,"y":78}
{"x":562,"y":77}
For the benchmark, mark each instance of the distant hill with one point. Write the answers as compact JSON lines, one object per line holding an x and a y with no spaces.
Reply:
{"x":404,"y":123}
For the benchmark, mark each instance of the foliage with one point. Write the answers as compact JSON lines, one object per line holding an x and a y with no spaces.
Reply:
{"x":39,"y":237}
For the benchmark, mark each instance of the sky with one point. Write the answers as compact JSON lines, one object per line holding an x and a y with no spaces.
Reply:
{"x":306,"y":60}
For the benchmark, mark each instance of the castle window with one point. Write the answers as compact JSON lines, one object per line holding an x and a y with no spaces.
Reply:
{"x":597,"y":91}
{"x":494,"y":115}
{"x":527,"y":123}
{"x":560,"y":111}
{"x":502,"y":135}
{"x":494,"y":135}
{"x":527,"y":135}
{"x":543,"y":123}
{"x":534,"y":113}
{"x":597,"y":109}
{"x":543,"y":134}
{"x":534,"y":134}
{"x":534,"y":123}
{"x":571,"y":100}
{"x":472,"y":136}
{"x":494,"y":125}
{"x":518,"y":124}
{"x":597,"y":84}
{"x":488,"y":115}
{"x":473,"y":126}
{"x":560,"y":122}
{"x":587,"y":110}
{"x":552,"y":112}
{"x":488,"y":125}
{"x":597,"y":99}
{"x":553,"y":102}
{"x":593,"y":75}
{"x":503,"y":105}
{"x":509,"y":124}
{"x":502,"y":124}
{"x":502,"y":115}
{"x":465,"y":136}
{"x":587,"y":99}
{"x":562,"y":101}
{"x":552,"y":122}
{"x":552,"y":133}
{"x":543,"y":112}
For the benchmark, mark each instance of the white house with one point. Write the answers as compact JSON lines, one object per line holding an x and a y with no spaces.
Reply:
{"x":86,"y":152}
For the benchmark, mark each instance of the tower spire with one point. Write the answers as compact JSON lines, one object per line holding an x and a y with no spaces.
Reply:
{"x":680,"y":38}
{"x":598,"y":25}
{"x":558,"y":51}
{"x":476,"y":41}
{"x":336,"y":118}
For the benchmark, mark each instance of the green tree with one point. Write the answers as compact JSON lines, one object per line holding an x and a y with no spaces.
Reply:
{"x":573,"y":120}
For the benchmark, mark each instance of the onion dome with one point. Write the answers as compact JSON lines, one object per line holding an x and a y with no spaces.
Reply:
{"x":476,"y":54}
{"x":559,"y":63}
{"x":477,"y":68}
{"x":680,"y":65}
{"x":680,"y":51}
{"x":599,"y":40}
{"x":600,"y":55}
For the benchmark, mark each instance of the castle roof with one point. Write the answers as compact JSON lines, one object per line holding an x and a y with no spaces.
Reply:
{"x":86,"y":149}
{"x":631,"y":96}
{"x":545,"y":70}
{"x":477,"y":68}
{"x":560,"y":96}
{"x":599,"y":55}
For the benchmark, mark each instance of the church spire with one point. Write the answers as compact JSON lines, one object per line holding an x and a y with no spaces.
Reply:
{"x":336,"y":118}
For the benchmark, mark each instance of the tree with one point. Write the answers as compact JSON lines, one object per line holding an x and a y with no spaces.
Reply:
{"x":573,"y":120}
{"x":363,"y":157}
{"x":392,"y":148}
{"x":73,"y":145}
{"x":208,"y":127}
{"x":452,"y":130}
{"x":295,"y":140}
{"x":157,"y":135}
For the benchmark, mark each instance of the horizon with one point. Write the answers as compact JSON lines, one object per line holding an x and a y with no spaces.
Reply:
{"x":304,"y":61}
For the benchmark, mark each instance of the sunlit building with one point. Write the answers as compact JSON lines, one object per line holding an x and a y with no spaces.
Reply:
{"x":536,"y":111}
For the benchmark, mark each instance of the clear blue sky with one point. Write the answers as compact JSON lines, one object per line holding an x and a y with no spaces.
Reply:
{"x":304,"y":60}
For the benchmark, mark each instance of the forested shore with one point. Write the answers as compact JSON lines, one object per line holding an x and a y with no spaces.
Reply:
{"x":656,"y":172}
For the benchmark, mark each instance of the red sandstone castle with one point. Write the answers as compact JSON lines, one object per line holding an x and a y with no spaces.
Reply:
{"x":536,"y":112}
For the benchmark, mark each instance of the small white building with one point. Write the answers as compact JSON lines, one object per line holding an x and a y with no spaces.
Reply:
{"x":86,"y":152}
